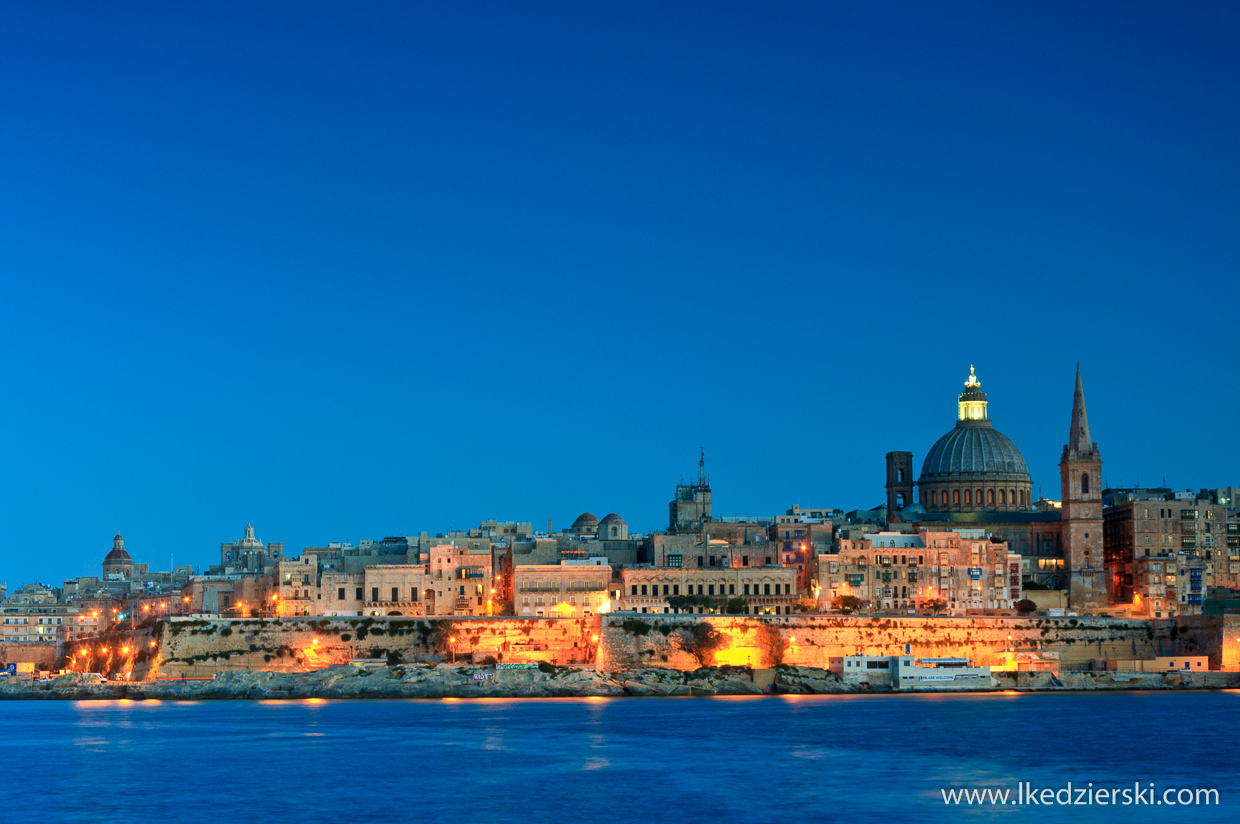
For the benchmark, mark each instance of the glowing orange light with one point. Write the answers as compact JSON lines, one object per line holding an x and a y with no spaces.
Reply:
{"x":163,"y":606}
{"x":124,"y":650}
{"x":146,"y":607}
{"x":594,"y":638}
{"x":452,"y":640}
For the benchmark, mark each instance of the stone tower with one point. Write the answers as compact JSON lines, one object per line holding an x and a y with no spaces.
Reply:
{"x":1080,"y":474}
{"x":690,"y":509}
{"x":899,"y":481}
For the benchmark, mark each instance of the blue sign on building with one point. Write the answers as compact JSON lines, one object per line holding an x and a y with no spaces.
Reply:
{"x":11,"y":669}
{"x":975,"y":572}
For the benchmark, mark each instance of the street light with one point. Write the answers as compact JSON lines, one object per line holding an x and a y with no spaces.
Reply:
{"x":452,"y":641}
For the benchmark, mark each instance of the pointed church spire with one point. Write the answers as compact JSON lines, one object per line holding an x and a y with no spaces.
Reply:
{"x":1078,"y":439}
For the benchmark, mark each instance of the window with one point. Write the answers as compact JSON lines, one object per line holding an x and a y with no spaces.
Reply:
{"x":746,"y":589}
{"x":374,"y":594}
{"x":731,"y":589}
{"x":675,"y":560}
{"x":395,"y":594}
{"x":711,"y":589}
{"x":1085,"y":484}
{"x":665,"y":589}
{"x":413,"y":593}
{"x":787,"y":589}
{"x":701,"y":561}
{"x":359,"y":593}
{"x":990,"y":497}
{"x":956,"y":496}
{"x":968,"y":498}
{"x":744,"y":560}
{"x":643,"y":589}
{"x":699,"y":589}
{"x":675,"y":589}
{"x":767,"y":588}
{"x":634,"y":589}
{"x":934,"y":499}
{"x":340,"y":594}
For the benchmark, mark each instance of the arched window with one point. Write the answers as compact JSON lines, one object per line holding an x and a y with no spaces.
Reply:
{"x":968,"y":497}
{"x":934,"y":499}
{"x":900,"y":500}
{"x":1085,"y":484}
{"x":979,"y":497}
{"x":900,"y":475}
{"x":1022,"y":497}
{"x":956,"y":496}
{"x":615,"y":530}
{"x":1012,"y":497}
{"x":990,"y":497}
{"x":1001,"y":498}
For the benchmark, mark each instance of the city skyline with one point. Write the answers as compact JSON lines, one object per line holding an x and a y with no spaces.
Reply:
{"x":344,"y":275}
{"x":540,"y":525}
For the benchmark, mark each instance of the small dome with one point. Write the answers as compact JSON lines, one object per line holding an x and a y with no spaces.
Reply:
{"x":585,"y":519}
{"x":613,"y":518}
{"x":117,"y":556}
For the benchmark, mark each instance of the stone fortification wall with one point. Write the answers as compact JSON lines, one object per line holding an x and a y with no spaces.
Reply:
{"x":811,"y":641}
{"x":198,"y":647}
{"x":1217,"y":636}
{"x":193,"y":647}
{"x":43,"y":655}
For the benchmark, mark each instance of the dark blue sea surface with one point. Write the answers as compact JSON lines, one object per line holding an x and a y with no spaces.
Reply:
{"x":781,"y":759}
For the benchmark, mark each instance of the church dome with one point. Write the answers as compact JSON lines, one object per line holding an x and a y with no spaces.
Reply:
{"x":974,"y":467}
{"x":975,"y":448}
{"x":585,"y":519}
{"x":613,"y":518}
{"x":118,"y":555}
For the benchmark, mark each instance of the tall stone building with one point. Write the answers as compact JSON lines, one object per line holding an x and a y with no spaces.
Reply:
{"x":1080,"y":472}
{"x":690,"y":509}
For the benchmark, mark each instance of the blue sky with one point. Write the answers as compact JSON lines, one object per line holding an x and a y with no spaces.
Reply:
{"x":354,"y":272}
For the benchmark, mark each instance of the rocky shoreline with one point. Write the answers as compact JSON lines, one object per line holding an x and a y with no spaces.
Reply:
{"x":464,"y":681}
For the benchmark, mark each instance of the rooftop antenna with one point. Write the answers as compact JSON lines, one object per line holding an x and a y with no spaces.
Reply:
{"x":702,"y":468}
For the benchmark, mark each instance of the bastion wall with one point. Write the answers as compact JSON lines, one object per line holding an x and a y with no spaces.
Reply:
{"x":664,"y":640}
{"x":198,"y":647}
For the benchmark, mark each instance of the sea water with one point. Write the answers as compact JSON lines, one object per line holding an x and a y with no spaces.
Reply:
{"x":762,"y":759}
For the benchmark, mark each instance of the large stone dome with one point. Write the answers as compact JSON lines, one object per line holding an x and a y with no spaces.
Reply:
{"x":974,"y":467}
{"x":975,"y":448}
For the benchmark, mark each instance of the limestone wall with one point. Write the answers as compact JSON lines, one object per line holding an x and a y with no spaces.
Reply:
{"x":1217,"y":636}
{"x":636,"y":640}
{"x":21,"y":653}
{"x":192,"y":647}
{"x":195,"y":647}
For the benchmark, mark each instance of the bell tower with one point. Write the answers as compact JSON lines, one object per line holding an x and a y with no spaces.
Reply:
{"x":1080,"y":474}
{"x":899,"y":481}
